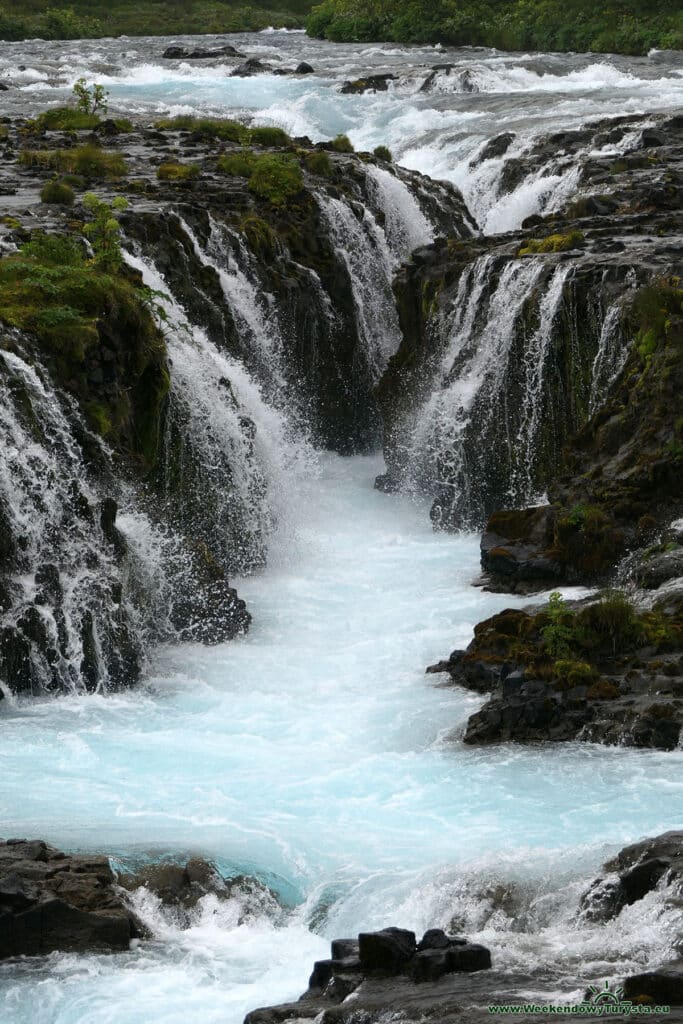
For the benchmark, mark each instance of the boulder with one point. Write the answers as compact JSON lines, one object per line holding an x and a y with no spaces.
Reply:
{"x":370,"y":83}
{"x":182,"y":53}
{"x":634,"y":872}
{"x":53,"y":902}
{"x":664,"y":985}
{"x":386,"y":951}
{"x":252,"y":66}
{"x":304,"y":69}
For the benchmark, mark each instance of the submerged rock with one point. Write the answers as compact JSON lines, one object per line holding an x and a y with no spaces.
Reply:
{"x":183,"y":53}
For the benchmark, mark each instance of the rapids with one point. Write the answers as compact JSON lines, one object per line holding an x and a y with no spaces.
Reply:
{"x":314,"y":753}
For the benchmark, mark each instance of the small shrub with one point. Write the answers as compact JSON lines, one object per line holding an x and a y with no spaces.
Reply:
{"x":574,"y":673}
{"x":103,"y":230}
{"x":319,"y":163}
{"x":383,"y":153}
{"x":177,"y":172}
{"x":90,"y":99}
{"x":205,"y":127}
{"x":57,"y":192}
{"x":240,"y":163}
{"x":342,"y":144}
{"x":89,"y":161}
{"x":276,"y":178}
{"x":66,"y":119}
{"x":269,"y":137}
{"x":603,"y":689}
{"x":558,"y":635}
{"x":613,"y":619}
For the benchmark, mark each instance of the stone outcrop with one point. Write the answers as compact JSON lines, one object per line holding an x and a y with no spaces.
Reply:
{"x":385,"y":971}
{"x":50,"y":901}
{"x":636,"y":870}
{"x":601,"y":671}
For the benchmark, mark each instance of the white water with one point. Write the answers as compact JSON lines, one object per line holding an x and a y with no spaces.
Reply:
{"x":440,"y":132}
{"x":312,"y":752}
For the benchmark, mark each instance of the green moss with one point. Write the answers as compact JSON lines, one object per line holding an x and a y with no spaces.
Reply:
{"x":646,"y":343}
{"x":552,"y":243}
{"x":177,"y":172}
{"x":240,"y":163}
{"x":57,"y":192}
{"x":342,"y":144}
{"x":277,"y":179}
{"x":269,"y":137}
{"x":319,"y":162}
{"x":65,"y":119}
{"x":205,"y":127}
{"x":89,"y":161}
{"x":98,"y":417}
{"x":383,"y":153}
{"x":261,"y":238}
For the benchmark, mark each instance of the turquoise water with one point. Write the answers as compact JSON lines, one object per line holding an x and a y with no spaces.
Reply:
{"x":317,"y":755}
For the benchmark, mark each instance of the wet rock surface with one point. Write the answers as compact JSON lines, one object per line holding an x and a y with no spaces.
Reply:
{"x":636,"y":870}
{"x":52,"y":901}
{"x":384,"y":971}
{"x":600,"y":687}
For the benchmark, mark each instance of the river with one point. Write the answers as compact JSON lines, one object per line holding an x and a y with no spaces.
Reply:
{"x":314,"y":753}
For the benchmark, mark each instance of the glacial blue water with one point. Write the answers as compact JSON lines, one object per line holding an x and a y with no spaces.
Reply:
{"x":316,"y":754}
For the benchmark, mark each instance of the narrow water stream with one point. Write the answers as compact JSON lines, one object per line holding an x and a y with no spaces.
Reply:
{"x":314,"y":754}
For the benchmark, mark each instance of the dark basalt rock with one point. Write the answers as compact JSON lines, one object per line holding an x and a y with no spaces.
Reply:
{"x":633,"y":873}
{"x":182,"y":53}
{"x":386,"y":952}
{"x":664,"y":985}
{"x":386,"y":971}
{"x":370,"y":83}
{"x":252,"y":66}
{"x":53,"y":902}
{"x":304,"y":69}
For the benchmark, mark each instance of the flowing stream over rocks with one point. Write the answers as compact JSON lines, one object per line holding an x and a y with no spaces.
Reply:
{"x":312,"y":753}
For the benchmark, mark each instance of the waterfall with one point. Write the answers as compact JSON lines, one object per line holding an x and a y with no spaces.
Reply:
{"x":362,"y":247}
{"x":233,"y":456}
{"x":405,"y":225}
{"x":67,"y":623}
{"x":610,"y":357}
{"x":470,"y":385}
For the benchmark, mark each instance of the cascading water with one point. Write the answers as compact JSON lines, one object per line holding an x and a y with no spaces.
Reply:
{"x":362,"y":245}
{"x":221,"y":429}
{"x":68,"y":625}
{"x":313,"y":753}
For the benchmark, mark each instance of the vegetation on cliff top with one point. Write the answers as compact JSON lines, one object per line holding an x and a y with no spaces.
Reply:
{"x":621,"y":26}
{"x":79,"y":19}
{"x":66,"y":298}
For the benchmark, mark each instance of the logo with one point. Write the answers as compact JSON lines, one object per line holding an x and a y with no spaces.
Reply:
{"x":607,"y":1001}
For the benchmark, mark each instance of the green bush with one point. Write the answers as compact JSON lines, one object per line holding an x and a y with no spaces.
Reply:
{"x":66,"y":119}
{"x":241,"y":163}
{"x":342,"y":144}
{"x":319,"y":163}
{"x":276,"y":178}
{"x":57,"y":192}
{"x":205,"y":127}
{"x":173,"y":171}
{"x":89,"y":161}
{"x":383,"y":153}
{"x":269,"y":137}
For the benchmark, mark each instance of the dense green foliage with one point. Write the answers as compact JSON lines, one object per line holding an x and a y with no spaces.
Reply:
{"x":81,"y":19}
{"x":59,"y":192}
{"x":276,"y":178}
{"x":622,"y":26}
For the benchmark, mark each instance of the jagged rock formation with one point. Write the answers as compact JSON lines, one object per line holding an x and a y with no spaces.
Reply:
{"x":50,"y":901}
{"x":511,"y":344}
{"x":383,"y":971}
{"x":162,"y":444}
